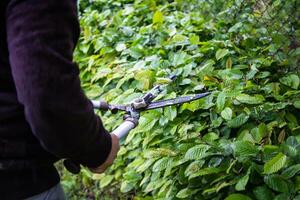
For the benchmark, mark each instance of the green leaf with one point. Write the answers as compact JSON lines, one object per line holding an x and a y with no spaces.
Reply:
{"x":238,"y":197}
{"x":241,"y":184}
{"x":245,"y":98}
{"x":221,"y":100}
{"x":126,"y":186}
{"x":179,"y":39}
{"x":106,"y":180}
{"x":236,"y":27}
{"x":291,"y":171}
{"x":263,"y":193}
{"x":297,"y":104}
{"x":158,"y":17}
{"x":221,"y":53}
{"x":147,"y":122}
{"x":153,"y":185}
{"x":275,"y":164}
{"x":260,"y":132}
{"x":196,"y":152}
{"x":184,"y":193}
{"x":132,"y":176}
{"x":297,"y":197}
{"x":238,"y":121}
{"x":194,"y":39}
{"x":277,"y":183}
{"x":245,"y":149}
{"x":145,"y":78}
{"x":170,"y":112}
{"x":209,"y":137}
{"x":227,"y":113}
{"x":206,"y":171}
{"x":283,"y":196}
{"x":161,"y":164}
{"x":178,"y":58}
{"x":291,"y":80}
{"x":206,"y":68}
{"x":194,"y":167}
{"x":120,"y":46}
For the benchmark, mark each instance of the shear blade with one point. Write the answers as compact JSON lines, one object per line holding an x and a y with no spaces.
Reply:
{"x":175,"y":101}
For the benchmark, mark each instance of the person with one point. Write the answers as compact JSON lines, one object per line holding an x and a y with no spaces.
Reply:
{"x":44,"y":114}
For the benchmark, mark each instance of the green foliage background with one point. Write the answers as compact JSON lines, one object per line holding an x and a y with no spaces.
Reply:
{"x":241,"y":142}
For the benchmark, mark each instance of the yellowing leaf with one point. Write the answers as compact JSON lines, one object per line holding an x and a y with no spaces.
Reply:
{"x":158,"y":17}
{"x":194,"y":39}
{"x":229,"y":63}
{"x":237,"y":197}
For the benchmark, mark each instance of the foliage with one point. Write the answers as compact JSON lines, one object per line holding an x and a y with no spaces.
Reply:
{"x":241,"y":142}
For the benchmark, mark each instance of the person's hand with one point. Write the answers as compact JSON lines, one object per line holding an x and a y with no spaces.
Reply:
{"x":111,"y":157}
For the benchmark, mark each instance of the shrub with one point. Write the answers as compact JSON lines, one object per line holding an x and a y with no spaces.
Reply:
{"x":241,"y":142}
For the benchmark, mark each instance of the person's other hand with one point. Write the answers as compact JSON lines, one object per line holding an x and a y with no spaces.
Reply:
{"x":111,"y":157}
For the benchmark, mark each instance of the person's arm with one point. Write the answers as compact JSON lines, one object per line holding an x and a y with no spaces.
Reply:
{"x":41,"y":37}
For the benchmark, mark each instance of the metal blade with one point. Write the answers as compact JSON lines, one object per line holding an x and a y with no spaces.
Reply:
{"x":175,"y":101}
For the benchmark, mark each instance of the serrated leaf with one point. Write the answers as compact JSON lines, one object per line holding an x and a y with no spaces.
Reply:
{"x":206,"y":171}
{"x":161,"y":164}
{"x":245,"y":98}
{"x":238,"y":121}
{"x":221,"y":53}
{"x":153,"y":185}
{"x":277,"y":183}
{"x":194,"y":167}
{"x":291,"y":80}
{"x":196,"y":152}
{"x":145,"y":165}
{"x":126,"y":186}
{"x":132,"y":176}
{"x":245,"y":149}
{"x":227,"y":113}
{"x":275,"y":164}
{"x":147,"y":122}
{"x":291,"y":171}
{"x":184,"y":193}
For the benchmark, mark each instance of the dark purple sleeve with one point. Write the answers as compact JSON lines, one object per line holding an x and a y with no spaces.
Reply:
{"x":41,"y":37}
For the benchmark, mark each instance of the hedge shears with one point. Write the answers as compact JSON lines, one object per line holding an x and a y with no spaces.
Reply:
{"x":133,"y":110}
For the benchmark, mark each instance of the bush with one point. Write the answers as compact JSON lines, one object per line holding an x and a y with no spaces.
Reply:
{"x":241,"y":142}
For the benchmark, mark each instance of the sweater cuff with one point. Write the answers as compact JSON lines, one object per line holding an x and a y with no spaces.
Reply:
{"x":99,"y":154}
